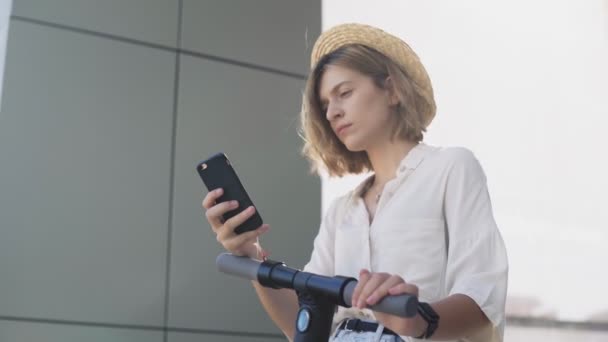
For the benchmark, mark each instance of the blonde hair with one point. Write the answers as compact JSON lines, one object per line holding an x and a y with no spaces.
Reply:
{"x":321,"y":146}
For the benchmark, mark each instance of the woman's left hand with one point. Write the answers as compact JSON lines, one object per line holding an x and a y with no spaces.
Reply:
{"x":372,"y":287}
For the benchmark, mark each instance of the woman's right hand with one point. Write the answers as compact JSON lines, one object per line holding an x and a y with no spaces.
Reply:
{"x":245,"y":244}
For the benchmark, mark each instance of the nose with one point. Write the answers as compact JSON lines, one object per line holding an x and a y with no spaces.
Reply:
{"x":333,"y":112}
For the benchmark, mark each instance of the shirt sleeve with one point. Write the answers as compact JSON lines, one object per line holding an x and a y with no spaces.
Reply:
{"x":477,"y":264}
{"x":322,"y":256}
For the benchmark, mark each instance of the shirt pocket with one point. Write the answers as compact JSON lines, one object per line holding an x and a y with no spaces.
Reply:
{"x":415,"y":249}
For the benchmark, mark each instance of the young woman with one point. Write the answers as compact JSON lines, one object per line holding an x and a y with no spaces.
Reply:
{"x":421,"y":224}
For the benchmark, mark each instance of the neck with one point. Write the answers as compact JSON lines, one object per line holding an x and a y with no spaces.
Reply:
{"x":385,"y":159}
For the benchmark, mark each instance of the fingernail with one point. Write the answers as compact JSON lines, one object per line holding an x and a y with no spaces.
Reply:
{"x":234,"y":204}
{"x":219,"y":191}
{"x":264,"y":229}
{"x":371,"y":299}
{"x":250,"y":209}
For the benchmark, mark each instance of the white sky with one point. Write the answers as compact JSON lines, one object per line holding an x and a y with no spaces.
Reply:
{"x":524,"y":84}
{"x":5,"y":12}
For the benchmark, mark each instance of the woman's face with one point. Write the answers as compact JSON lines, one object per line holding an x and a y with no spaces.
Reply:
{"x":358,"y":111}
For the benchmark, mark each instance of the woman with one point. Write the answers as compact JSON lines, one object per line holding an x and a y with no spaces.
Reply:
{"x":421,"y":224}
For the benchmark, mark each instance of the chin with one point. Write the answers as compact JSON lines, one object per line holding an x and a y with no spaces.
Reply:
{"x":354,"y":145}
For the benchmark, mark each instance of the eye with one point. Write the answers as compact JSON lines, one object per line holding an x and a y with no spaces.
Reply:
{"x":345,"y":94}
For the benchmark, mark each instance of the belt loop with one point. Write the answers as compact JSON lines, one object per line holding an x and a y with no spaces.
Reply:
{"x":379,"y":332}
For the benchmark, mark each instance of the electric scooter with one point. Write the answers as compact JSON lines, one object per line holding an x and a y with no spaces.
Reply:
{"x":317,"y":295}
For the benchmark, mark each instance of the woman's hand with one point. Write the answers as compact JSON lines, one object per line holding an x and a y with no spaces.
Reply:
{"x":245,"y":244}
{"x":372,"y":287}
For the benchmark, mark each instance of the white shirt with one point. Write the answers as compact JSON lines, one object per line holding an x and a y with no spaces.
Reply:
{"x":435,"y":191}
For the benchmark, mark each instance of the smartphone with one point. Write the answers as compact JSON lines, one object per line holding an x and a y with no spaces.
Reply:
{"x":217,"y":172}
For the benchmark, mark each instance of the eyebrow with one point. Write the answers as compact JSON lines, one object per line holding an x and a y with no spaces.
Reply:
{"x":333,"y":90}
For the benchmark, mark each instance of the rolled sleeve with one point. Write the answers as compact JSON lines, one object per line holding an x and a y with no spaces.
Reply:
{"x":477,"y":264}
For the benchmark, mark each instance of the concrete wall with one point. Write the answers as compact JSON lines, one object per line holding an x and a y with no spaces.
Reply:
{"x":107,"y":107}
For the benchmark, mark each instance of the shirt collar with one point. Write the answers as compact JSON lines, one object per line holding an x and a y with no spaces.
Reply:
{"x":413,"y":158}
{"x":410,"y":162}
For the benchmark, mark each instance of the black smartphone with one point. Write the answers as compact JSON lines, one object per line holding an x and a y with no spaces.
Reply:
{"x":217,"y":172}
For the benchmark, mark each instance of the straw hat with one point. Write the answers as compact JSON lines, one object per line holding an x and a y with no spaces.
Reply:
{"x":391,"y":46}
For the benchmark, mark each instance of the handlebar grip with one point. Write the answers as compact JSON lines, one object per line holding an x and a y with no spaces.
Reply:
{"x":401,"y":305}
{"x":239,"y":266}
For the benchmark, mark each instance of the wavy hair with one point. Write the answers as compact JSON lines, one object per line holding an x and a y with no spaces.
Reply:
{"x":321,"y":146}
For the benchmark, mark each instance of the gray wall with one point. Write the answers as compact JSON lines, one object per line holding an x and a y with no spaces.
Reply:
{"x":107,"y":107}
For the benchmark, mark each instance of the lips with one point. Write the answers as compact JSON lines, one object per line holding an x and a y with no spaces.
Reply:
{"x":342,"y":128}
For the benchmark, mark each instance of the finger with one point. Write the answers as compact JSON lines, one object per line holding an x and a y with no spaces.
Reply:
{"x":228,"y":227}
{"x":364,"y":275}
{"x":403,"y":288}
{"x":374,"y":281}
{"x":382,"y":290}
{"x":214,"y":214}
{"x":263,"y":252}
{"x":238,"y":241}
{"x":212,"y":196}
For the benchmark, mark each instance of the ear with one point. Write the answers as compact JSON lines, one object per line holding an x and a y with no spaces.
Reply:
{"x":391,"y":92}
